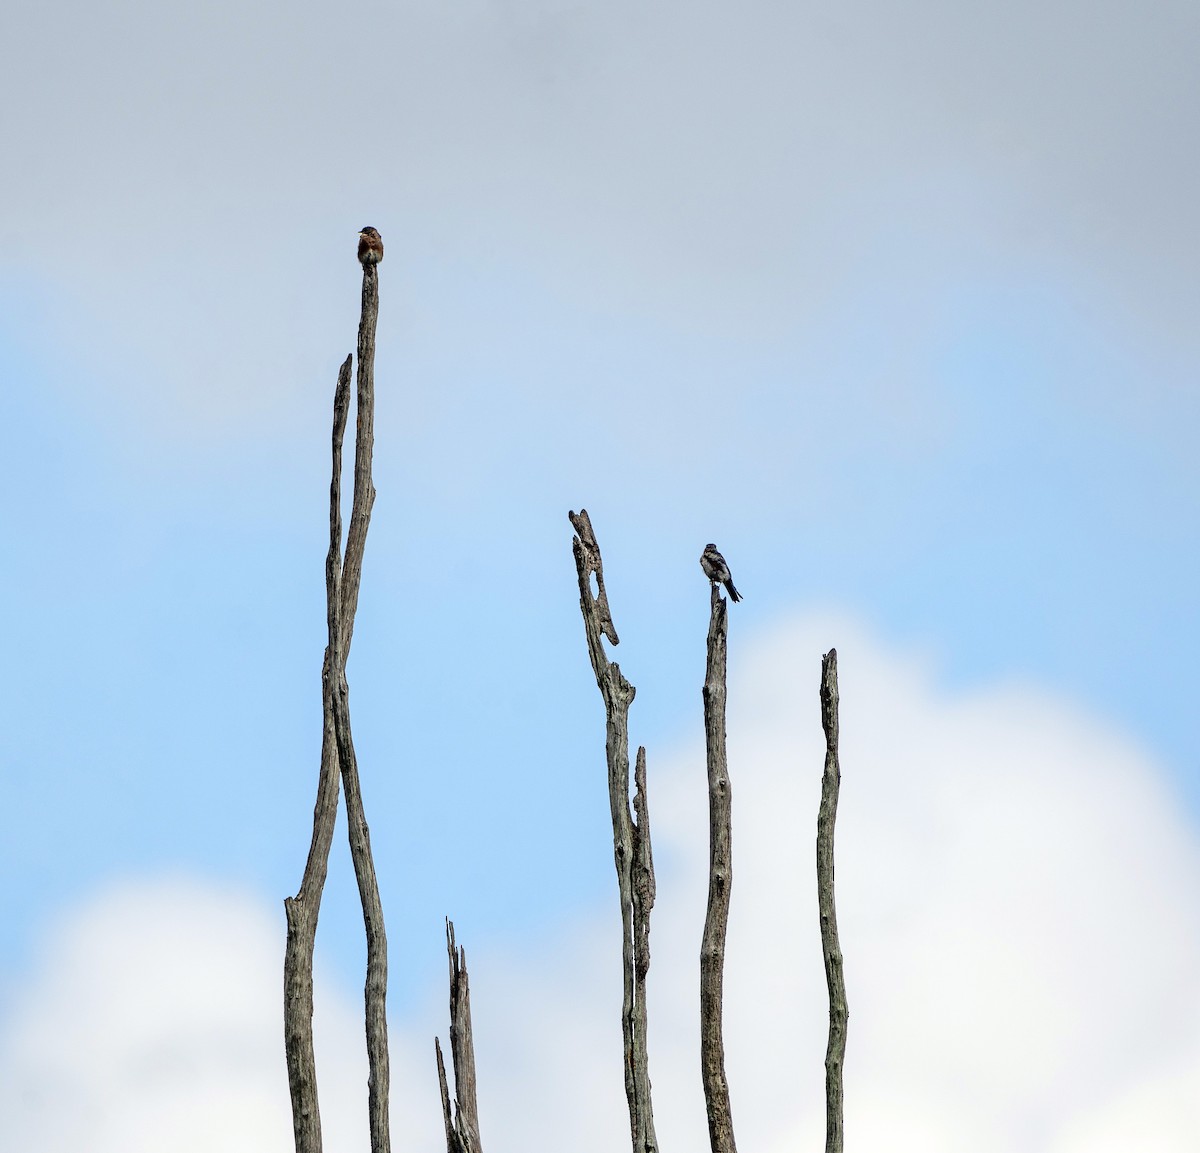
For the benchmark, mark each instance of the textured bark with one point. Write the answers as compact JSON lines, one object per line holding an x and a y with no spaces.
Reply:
{"x":343,"y":578}
{"x":364,"y":451}
{"x":643,"y":890}
{"x":720,"y":882}
{"x":375,"y":988}
{"x":462,"y":1127}
{"x":839,"y":1014}
{"x":304,"y":909}
{"x":447,"y":1116}
{"x":631,"y":841}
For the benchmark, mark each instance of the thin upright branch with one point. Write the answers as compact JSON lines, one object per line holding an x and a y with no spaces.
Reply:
{"x":720,"y":881}
{"x":462,"y":1128}
{"x":631,"y":842}
{"x":835,"y":1052}
{"x":304,"y":909}
{"x":364,"y":449}
{"x":343,"y":578}
{"x":643,"y":895}
{"x":375,"y":989}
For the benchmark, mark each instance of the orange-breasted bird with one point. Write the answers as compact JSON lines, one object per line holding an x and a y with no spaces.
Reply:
{"x":370,"y":246}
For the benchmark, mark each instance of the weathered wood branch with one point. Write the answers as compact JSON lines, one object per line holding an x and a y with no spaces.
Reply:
{"x":835,"y":1052}
{"x":720,"y":882}
{"x":462,"y":1127}
{"x":643,"y":882}
{"x":375,"y":987}
{"x":343,"y":579}
{"x":631,"y":842}
{"x":303,"y":909}
{"x":364,"y":449}
{"x":447,"y":1116}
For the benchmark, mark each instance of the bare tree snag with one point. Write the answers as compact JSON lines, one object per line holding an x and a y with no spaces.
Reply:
{"x":343,"y":578}
{"x":303,"y":909}
{"x":375,"y":989}
{"x":631,"y":841}
{"x":720,"y":881}
{"x":453,"y":1140}
{"x":643,"y":901}
{"x":462,"y":1129}
{"x":831,"y":948}
{"x":364,"y":451}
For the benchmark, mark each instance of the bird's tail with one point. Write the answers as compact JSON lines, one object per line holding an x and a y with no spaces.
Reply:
{"x":734,"y":595}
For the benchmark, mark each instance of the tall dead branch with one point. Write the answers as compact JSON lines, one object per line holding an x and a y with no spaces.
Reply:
{"x":462,"y":1126}
{"x":831,"y":780}
{"x":303,"y":909}
{"x":720,"y":882}
{"x":631,"y":840}
{"x":343,"y":578}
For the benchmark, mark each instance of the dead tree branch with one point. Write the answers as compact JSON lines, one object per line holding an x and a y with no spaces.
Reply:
{"x":343,"y":579}
{"x":462,"y":1128}
{"x":631,"y":842}
{"x":830,"y":947}
{"x":643,"y":902}
{"x":720,"y":881}
{"x":375,"y":989}
{"x":304,"y":909}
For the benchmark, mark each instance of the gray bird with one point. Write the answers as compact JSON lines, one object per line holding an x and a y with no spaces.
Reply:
{"x":717,"y":571}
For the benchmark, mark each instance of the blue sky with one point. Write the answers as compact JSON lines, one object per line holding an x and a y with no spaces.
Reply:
{"x":1002,"y":515}
{"x":898,"y":310}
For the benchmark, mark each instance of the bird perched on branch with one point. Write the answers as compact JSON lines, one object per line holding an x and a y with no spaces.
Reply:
{"x":370,"y":246}
{"x":717,"y":571}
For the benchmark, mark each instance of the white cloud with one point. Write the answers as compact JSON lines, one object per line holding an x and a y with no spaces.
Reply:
{"x":1016,"y":895}
{"x":154,"y":1022}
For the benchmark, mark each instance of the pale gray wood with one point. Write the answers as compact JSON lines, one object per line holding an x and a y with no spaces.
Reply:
{"x":631,"y":841}
{"x":643,"y":894}
{"x":375,"y":988}
{"x":447,"y":1117}
{"x":831,"y":949}
{"x":304,"y":909}
{"x":364,"y":450}
{"x":720,"y":884}
{"x":343,"y":579}
{"x":462,"y":1128}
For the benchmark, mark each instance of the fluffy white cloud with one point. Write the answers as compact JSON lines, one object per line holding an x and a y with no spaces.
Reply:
{"x":1016,"y":894}
{"x":154,"y":1022}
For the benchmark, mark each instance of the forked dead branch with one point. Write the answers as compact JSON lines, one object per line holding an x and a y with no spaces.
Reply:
{"x":631,"y":840}
{"x":462,"y":1123}
{"x":343,"y":578}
